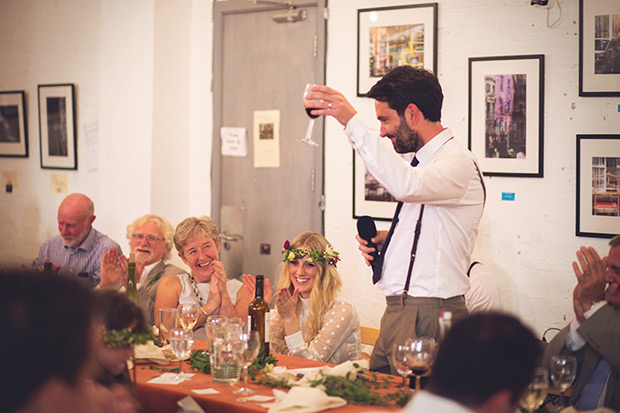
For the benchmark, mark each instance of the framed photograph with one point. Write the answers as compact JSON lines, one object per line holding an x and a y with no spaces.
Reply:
{"x":57,"y":126}
{"x":598,"y":186}
{"x":369,"y":196}
{"x":388,"y":37}
{"x":599,"y":48}
{"x":13,"y":132}
{"x":506,"y":107}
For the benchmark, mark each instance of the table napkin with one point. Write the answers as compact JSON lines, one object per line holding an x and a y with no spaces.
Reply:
{"x":150,"y":353}
{"x":341,"y":370}
{"x":168,"y":378}
{"x":304,"y":400}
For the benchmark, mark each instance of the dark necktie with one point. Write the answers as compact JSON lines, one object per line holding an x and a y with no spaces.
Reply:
{"x":377,"y":269}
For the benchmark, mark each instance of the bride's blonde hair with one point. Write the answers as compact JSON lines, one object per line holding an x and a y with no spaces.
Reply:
{"x":326,"y":285}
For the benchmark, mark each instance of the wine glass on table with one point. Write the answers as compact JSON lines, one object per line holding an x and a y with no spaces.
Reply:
{"x":187,"y":315}
{"x":246,"y":349}
{"x":399,"y":357}
{"x":181,"y":341}
{"x":420,"y":358}
{"x":308,"y":106}
{"x":563,"y":370}
{"x":536,"y":391}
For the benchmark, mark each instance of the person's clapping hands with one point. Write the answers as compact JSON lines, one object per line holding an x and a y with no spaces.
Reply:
{"x":113,"y":269}
{"x":590,"y":288}
{"x":249,"y":283}
{"x":285,"y":305}
{"x":41,"y":268}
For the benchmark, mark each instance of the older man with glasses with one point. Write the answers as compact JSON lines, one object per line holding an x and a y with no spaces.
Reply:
{"x":150,"y":238}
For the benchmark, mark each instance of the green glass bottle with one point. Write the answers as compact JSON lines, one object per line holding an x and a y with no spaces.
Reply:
{"x":132,"y":288}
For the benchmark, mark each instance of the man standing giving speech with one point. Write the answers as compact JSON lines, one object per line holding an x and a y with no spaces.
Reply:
{"x":424,"y":257}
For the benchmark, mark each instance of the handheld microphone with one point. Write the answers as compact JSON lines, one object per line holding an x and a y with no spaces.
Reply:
{"x":366,"y":229}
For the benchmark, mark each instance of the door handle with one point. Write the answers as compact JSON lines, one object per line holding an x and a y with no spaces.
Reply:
{"x":225,"y":236}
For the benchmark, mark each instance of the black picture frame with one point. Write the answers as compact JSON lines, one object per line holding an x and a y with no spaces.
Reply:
{"x":57,"y":126}
{"x":597,"y":186}
{"x":418,"y":21}
{"x":369,"y":196}
{"x":13,"y":124}
{"x":506,"y":114}
{"x":599,"y":48}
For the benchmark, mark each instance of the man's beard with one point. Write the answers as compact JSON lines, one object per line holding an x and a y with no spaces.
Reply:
{"x":406,"y":139}
{"x":76,"y":241}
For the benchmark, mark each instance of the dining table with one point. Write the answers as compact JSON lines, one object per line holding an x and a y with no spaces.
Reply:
{"x":163,"y":398}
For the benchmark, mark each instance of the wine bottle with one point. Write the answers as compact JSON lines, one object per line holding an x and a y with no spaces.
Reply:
{"x":258,"y":315}
{"x":132,"y":288}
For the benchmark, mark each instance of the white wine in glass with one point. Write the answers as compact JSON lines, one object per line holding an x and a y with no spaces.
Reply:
{"x":400,"y":353}
{"x":187,"y":315}
{"x":536,"y":391}
{"x":563,"y":370}
{"x":181,"y":341}
{"x":308,"y":106}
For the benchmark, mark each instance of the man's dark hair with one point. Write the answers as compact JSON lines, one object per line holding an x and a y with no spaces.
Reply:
{"x":482,"y":355}
{"x":407,"y":84}
{"x":118,"y":312}
{"x":46,"y":327}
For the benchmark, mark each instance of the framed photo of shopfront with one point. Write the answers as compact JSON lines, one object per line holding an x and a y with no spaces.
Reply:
{"x":13,"y":132}
{"x":506,"y":114}
{"x":599,"y":48}
{"x":57,"y":126}
{"x":598,"y":186}
{"x":388,"y":37}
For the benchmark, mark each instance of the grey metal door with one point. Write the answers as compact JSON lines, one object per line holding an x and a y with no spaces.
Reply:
{"x":262,"y":61}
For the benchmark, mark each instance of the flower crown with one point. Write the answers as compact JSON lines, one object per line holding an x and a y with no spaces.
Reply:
{"x":124,"y":338}
{"x":328,"y":256}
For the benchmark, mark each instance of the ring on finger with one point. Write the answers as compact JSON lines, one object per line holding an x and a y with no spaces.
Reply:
{"x":329,"y":105}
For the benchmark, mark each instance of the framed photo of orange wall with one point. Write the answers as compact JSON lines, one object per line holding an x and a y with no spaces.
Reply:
{"x":598,"y":186}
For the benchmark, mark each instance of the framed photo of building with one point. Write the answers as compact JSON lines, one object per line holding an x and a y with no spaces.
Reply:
{"x":598,"y":186}
{"x":388,"y":37}
{"x":13,"y":132}
{"x":57,"y":126}
{"x":599,"y":48}
{"x":369,"y":196}
{"x":506,"y":111}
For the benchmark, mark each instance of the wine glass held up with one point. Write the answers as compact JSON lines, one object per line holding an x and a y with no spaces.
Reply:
{"x":536,"y":391}
{"x":421,"y":357}
{"x":563,"y":370}
{"x":246,"y":350}
{"x":187,"y":315}
{"x":308,"y":106}
{"x":181,"y":341}
{"x":399,"y":357}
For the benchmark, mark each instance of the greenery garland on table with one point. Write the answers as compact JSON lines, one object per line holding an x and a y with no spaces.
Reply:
{"x":358,"y":391}
{"x":199,"y":360}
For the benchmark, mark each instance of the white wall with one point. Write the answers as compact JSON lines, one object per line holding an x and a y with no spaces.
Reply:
{"x":529,"y":243}
{"x":143,"y":73}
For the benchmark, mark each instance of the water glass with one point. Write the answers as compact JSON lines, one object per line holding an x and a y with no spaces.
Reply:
{"x":167,"y":322}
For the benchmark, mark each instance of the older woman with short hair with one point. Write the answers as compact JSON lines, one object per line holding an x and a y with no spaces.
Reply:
{"x":197,"y":241}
